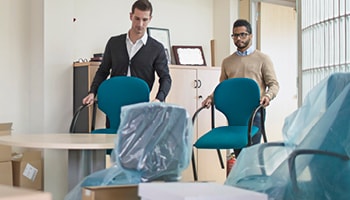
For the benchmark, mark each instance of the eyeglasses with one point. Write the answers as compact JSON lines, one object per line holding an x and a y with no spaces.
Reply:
{"x":241,"y":35}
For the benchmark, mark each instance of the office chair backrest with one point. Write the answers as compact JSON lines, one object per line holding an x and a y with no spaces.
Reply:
{"x":316,"y":103}
{"x":332,"y":134}
{"x":237,"y":98}
{"x":118,"y":91}
{"x":154,"y":141}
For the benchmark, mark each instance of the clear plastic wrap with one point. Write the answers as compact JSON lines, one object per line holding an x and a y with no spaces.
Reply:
{"x":321,"y":124}
{"x":154,"y":143}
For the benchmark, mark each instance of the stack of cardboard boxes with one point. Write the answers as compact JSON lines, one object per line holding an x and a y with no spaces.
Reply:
{"x":23,"y":169}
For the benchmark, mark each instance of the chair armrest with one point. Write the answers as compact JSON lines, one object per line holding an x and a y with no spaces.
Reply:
{"x":77,"y":113}
{"x":251,"y":121}
{"x":261,"y":150}
{"x":94,"y":110}
{"x":75,"y":118}
{"x":295,"y":153}
{"x":196,"y":113}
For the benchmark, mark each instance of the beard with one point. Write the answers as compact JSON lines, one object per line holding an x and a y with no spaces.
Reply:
{"x":242,"y":44}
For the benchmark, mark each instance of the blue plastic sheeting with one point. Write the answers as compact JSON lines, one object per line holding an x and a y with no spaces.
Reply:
{"x":322,"y":123}
{"x":154,"y":143}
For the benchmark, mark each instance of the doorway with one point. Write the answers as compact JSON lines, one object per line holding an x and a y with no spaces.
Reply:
{"x":276,"y":35}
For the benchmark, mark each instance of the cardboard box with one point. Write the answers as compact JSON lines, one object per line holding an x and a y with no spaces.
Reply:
{"x":15,"y":193}
{"x":120,"y":192}
{"x":28,"y":170}
{"x":5,"y":128}
{"x":5,"y":151}
{"x":6,"y":173}
{"x":196,"y":190}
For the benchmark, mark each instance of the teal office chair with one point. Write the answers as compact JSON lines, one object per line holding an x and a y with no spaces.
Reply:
{"x":112,"y":94}
{"x":239,"y":100}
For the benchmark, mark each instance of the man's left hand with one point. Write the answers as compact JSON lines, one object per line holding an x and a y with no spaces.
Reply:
{"x":265,"y":101}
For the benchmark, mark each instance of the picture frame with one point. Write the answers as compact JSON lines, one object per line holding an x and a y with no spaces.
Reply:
{"x":189,"y":55}
{"x":162,"y":35}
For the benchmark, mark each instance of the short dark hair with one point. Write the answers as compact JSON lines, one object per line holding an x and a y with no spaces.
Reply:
{"x":243,"y":22}
{"x":143,"y":5}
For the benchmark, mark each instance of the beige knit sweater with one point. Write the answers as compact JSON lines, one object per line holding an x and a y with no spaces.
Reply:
{"x":257,"y":66}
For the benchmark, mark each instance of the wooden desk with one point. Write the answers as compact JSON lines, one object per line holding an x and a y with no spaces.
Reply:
{"x":68,"y":158}
{"x":8,"y":192}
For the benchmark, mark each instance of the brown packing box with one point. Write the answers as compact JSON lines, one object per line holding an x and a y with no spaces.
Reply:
{"x":120,"y":192}
{"x":28,"y":170}
{"x":5,"y":128}
{"x":6,"y":173}
{"x":5,"y":151}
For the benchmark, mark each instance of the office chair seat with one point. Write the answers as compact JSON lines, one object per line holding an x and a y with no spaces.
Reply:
{"x":229,"y":136}
{"x":105,"y":131}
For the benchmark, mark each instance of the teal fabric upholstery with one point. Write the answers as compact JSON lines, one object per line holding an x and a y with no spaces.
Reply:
{"x":116,"y":92}
{"x":225,"y":137}
{"x":239,"y":100}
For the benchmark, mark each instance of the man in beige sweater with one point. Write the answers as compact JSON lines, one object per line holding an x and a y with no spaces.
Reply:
{"x":249,"y":63}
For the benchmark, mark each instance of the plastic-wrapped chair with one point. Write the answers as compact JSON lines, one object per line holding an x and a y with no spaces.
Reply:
{"x":239,"y":100}
{"x":154,"y":142}
{"x":313,"y":161}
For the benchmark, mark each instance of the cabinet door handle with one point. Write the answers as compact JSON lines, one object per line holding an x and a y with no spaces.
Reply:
{"x":200,"y":97}
{"x":200,"y":83}
{"x":195,"y":84}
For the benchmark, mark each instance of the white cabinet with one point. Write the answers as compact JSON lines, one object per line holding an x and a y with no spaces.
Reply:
{"x":190,"y":86}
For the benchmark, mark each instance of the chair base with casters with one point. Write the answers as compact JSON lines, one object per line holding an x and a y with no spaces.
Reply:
{"x":240,"y":110}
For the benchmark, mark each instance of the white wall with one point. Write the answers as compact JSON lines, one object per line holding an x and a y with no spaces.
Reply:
{"x":40,"y":41}
{"x":59,"y":49}
{"x":15,"y":81}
